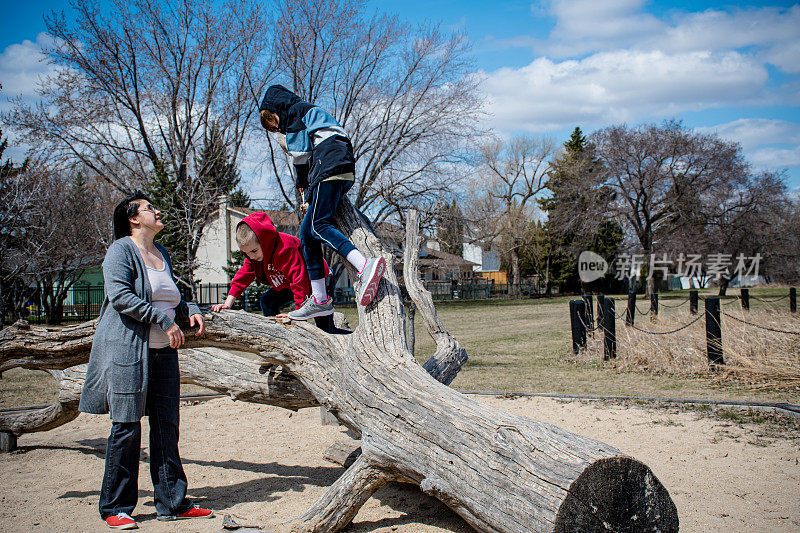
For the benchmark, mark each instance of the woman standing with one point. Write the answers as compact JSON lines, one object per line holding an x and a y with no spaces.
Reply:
{"x":133,"y":367}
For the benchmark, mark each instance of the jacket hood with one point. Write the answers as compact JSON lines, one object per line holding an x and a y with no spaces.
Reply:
{"x":279,"y":100}
{"x":265,"y":230}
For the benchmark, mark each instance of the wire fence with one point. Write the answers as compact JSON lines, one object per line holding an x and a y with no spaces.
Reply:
{"x":662,"y":304}
{"x":759,"y":326}
{"x":712,"y":315}
{"x":637,"y":328}
{"x":770,"y":300}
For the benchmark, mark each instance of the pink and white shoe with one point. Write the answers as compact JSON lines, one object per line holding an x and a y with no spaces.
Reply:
{"x":370,"y":278}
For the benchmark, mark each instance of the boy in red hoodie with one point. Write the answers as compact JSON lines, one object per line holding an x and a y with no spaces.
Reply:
{"x":273,"y":258}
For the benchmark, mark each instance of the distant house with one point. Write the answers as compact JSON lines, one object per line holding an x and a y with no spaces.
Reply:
{"x":219,"y":241}
{"x":484,"y":254}
{"x":435,"y":265}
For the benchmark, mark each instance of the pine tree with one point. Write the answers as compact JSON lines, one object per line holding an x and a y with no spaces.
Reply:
{"x":450,"y":231}
{"x":570,"y":181}
{"x":187,"y":204}
{"x":576,"y":142}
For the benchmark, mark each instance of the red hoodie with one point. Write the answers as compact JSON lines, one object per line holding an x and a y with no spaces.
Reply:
{"x":282,"y":265}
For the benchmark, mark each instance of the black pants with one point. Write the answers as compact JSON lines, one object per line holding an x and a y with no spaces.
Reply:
{"x":318,"y":227}
{"x":120,"y":481}
{"x":272,"y":301}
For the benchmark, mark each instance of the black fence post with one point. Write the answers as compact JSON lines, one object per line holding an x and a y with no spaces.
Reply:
{"x":577,"y":312}
{"x":589,"y":310}
{"x":600,"y":299}
{"x":654,"y":304}
{"x":244,"y":301}
{"x":693,"y":302}
{"x":793,"y":299}
{"x":714,"y":331}
{"x":87,"y":308}
{"x":745,"y":294}
{"x":610,"y":329}
{"x":630,"y":315}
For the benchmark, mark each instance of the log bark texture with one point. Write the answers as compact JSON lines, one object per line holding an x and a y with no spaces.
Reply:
{"x":500,"y":472}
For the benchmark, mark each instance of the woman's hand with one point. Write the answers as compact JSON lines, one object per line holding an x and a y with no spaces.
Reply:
{"x":197,"y":320}
{"x":175,"y":335}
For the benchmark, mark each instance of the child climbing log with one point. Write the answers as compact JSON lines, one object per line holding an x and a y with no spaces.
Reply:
{"x":500,"y":472}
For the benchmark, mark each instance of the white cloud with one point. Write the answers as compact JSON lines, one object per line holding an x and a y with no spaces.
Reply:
{"x":22,"y":65}
{"x":774,"y":157}
{"x":773,"y":32}
{"x":619,"y":86}
{"x":592,"y":25}
{"x":766,"y":143}
{"x":754,"y":132}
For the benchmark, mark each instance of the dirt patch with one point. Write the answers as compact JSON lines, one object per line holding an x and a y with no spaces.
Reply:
{"x":265,"y":465}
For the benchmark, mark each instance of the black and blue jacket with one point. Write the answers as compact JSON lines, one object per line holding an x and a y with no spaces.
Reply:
{"x":318,"y":144}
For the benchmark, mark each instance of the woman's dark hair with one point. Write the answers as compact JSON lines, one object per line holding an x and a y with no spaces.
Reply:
{"x":126,"y":209}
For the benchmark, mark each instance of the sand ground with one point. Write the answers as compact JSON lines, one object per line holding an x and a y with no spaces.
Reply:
{"x":265,"y":465}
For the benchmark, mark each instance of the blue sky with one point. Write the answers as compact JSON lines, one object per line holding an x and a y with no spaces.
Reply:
{"x":727,"y":67}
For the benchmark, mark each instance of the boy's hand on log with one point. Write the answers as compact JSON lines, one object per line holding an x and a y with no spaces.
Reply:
{"x":227,"y":304}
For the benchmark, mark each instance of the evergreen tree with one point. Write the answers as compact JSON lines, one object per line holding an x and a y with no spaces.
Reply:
{"x":450,"y":230}
{"x":16,"y":204}
{"x":188,"y":202}
{"x":571,"y":177}
{"x":576,"y":141}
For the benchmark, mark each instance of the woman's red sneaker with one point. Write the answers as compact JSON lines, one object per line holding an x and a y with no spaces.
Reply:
{"x":121,"y":521}
{"x":194,"y":512}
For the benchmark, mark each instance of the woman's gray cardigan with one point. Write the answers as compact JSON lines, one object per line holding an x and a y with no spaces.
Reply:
{"x":116,"y":378}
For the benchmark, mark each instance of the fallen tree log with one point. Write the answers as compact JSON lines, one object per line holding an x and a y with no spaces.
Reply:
{"x":500,"y":472}
{"x":219,"y":370}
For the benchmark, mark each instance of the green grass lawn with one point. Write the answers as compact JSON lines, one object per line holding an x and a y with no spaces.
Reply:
{"x":517,"y":346}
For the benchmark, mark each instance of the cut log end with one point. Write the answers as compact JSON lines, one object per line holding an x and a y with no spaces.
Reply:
{"x":617,"y":495}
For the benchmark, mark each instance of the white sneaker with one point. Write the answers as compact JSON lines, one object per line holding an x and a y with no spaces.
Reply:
{"x":312,"y":309}
{"x":370,"y":278}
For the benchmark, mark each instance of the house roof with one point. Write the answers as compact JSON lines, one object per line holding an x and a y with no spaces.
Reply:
{"x":440,"y":259}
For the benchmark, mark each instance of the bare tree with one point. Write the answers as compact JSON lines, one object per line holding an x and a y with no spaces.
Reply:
{"x":511,"y":175}
{"x":500,"y":472}
{"x":405,"y":96}
{"x":747,"y":217}
{"x":660,"y":175}
{"x":55,"y":224}
{"x":140,"y":90}
{"x":72,"y":236}
{"x":20,"y":214}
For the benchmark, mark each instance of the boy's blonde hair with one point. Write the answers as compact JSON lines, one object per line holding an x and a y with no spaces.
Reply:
{"x":245,"y":235}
